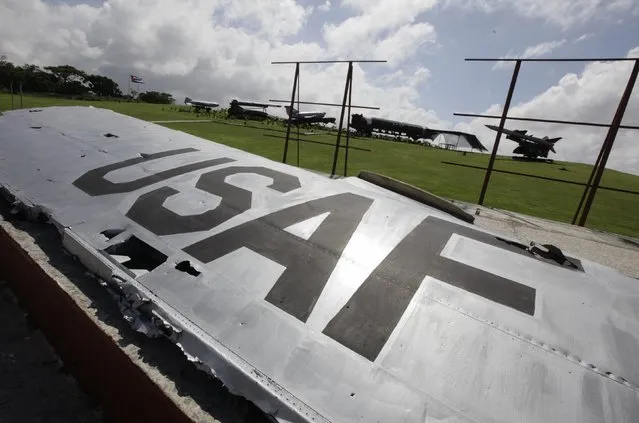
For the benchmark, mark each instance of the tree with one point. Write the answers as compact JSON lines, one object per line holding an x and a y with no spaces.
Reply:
{"x":35,"y":80}
{"x":156,"y":97}
{"x":103,"y":86}
{"x":7,"y":71}
{"x":67,"y":73}
{"x":69,"y":80}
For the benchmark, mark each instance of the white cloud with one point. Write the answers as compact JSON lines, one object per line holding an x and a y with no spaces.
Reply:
{"x":620,"y":5}
{"x":590,"y":96}
{"x":325,"y":7}
{"x":411,"y":79}
{"x":404,"y":42}
{"x":542,"y":49}
{"x":215,"y":49}
{"x":562,"y":13}
{"x":374,"y":20}
{"x":421,"y":75}
{"x":274,"y":18}
{"x":532,"y":52}
{"x":583,"y":37}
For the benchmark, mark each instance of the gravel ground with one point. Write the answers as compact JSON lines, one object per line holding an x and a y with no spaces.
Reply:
{"x":616,"y":251}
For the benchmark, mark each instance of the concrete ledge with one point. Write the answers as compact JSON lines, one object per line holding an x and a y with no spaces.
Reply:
{"x":101,"y":368}
{"x":131,"y":376}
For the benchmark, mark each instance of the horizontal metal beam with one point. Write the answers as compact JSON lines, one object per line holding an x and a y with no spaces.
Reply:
{"x":239,"y":125}
{"x":565,"y":122}
{"x":297,"y":125}
{"x":281,"y":131}
{"x":326,"y":104}
{"x":317,"y":142}
{"x":601,"y":59}
{"x":266,"y":128}
{"x":254,"y":104}
{"x":327,"y":61}
{"x":546,"y":178}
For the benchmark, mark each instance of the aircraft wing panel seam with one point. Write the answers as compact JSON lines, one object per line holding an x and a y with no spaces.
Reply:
{"x":566,"y":355}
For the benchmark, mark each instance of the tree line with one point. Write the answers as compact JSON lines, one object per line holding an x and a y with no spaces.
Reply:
{"x":68,"y":81}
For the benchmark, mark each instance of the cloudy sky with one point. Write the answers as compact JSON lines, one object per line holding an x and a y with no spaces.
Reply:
{"x":222,"y":49}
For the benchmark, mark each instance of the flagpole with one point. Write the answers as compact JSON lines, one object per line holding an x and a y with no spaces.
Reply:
{"x":137,"y":81}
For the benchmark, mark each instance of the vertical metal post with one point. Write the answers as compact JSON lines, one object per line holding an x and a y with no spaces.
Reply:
{"x":298,"y":120}
{"x":491,"y":162}
{"x":288,"y":126}
{"x":21,"y":105}
{"x":348,"y":122}
{"x":349,"y":75}
{"x":610,"y":140}
{"x":11,"y":91}
{"x":588,"y":184}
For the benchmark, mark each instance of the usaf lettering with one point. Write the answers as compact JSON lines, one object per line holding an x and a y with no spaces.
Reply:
{"x":365,"y":323}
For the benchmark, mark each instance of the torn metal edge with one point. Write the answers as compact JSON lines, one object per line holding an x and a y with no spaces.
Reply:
{"x":147,"y":313}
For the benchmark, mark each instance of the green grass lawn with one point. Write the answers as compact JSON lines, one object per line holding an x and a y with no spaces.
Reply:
{"x":139,"y":110}
{"x":419,"y":166}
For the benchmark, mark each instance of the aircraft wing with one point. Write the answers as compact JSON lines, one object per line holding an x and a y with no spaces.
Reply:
{"x":205,"y":103}
{"x":324,"y":300}
{"x":256,"y":104}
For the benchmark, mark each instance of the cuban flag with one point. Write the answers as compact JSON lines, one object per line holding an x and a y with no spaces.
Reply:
{"x":137,"y":79}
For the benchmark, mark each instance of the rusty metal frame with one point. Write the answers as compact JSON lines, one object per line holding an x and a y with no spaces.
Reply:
{"x":608,"y":143}
{"x":491,"y":162}
{"x":11,"y":91}
{"x":325,"y":104}
{"x":595,"y":177}
{"x":345,"y":105}
{"x":566,"y":122}
{"x":545,"y":178}
{"x":296,"y":79}
{"x":368,"y":150}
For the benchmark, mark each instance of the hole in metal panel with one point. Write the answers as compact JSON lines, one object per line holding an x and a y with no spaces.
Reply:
{"x":136,"y":254}
{"x":111,"y":233}
{"x":547,"y":253}
{"x":513,"y":243}
{"x":185,"y":266}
